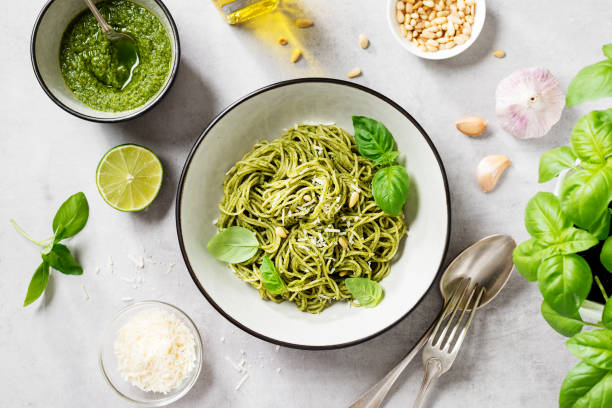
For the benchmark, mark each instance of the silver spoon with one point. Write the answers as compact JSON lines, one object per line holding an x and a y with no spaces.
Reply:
{"x":488,"y":263}
{"x":125,"y":45}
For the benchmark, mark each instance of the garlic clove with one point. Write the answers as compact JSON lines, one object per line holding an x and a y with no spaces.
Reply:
{"x":529,"y":102}
{"x":490,"y":170}
{"x":471,"y":125}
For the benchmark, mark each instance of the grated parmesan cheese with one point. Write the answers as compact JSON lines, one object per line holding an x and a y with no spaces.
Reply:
{"x":155,"y":351}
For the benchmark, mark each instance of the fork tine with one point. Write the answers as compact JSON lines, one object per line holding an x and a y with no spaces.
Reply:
{"x":457,"y":303}
{"x":451,"y":336}
{"x":469,"y":321}
{"x":447,"y":309}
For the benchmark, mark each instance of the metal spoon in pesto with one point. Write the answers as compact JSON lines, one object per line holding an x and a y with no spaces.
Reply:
{"x":124,"y":45}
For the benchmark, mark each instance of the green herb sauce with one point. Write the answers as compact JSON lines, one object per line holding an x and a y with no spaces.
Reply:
{"x":88,"y":61}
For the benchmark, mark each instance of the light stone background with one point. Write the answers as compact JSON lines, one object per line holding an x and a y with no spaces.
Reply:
{"x":48,"y":351}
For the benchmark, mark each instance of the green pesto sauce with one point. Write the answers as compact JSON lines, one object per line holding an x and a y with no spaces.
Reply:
{"x":88,"y":61}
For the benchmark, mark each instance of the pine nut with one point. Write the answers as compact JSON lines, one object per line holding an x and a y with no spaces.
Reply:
{"x":304,"y":22}
{"x":428,"y":3}
{"x":353,"y":199}
{"x":282,"y":41}
{"x":355,"y":72}
{"x":400,"y":5}
{"x":295,"y":55}
{"x":343,"y":273}
{"x":281,"y":233}
{"x":399,"y":16}
{"x":499,"y":53}
{"x":307,"y":197}
{"x":363,"y":41}
{"x":342,"y":242}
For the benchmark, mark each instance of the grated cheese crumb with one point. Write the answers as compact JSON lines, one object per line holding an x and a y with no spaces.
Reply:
{"x":85,"y":294}
{"x":127,"y":299}
{"x":241,"y":382}
{"x":138,"y":262}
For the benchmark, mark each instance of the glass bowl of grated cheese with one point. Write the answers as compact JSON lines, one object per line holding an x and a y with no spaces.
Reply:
{"x":151,"y":353}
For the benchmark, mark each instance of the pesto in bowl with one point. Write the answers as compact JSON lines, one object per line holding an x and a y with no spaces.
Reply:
{"x":88,"y":62}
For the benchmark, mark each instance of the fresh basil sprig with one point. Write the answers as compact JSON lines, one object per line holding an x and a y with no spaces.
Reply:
{"x":270,"y":277}
{"x":592,"y":82}
{"x":391,"y":183}
{"x":234,"y":245}
{"x":68,"y":221}
{"x":367,"y":292}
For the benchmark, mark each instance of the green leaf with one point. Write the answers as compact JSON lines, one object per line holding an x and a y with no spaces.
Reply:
{"x":585,"y":195}
{"x":586,"y":386}
{"x":601,"y":227}
{"x":37,"y":284}
{"x":372,"y":137}
{"x":234,"y":245}
{"x":270,"y":278}
{"x":554,"y":161}
{"x":386,"y":158}
{"x":390,"y":187}
{"x":527,"y":259}
{"x":367,"y":292}
{"x":564,"y":325}
{"x":593,"y":347}
{"x":565,"y":282}
{"x":544,"y":217}
{"x":570,"y":241}
{"x":591,"y":138}
{"x":591,"y":83}
{"x":71,"y":217}
{"x":606,"y":254}
{"x":606,"y":317}
{"x":607,"y":50}
{"x":60,"y":259}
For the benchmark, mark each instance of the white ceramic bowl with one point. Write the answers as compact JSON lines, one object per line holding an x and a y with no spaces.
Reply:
{"x":479,"y":18}
{"x":44,"y":49}
{"x":109,"y":365}
{"x":263,"y":115}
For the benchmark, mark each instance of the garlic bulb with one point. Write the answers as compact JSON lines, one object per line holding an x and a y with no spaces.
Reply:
{"x":490,"y":169}
{"x":529,"y":102}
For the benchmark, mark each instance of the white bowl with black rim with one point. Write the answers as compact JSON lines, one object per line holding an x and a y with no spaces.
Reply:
{"x":47,"y":34}
{"x":263,"y":115}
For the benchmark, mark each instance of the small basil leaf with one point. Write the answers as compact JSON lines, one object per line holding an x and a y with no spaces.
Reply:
{"x":270,"y":278}
{"x":601,"y":226}
{"x":372,"y":137}
{"x":543,"y":216}
{"x":593,"y":347}
{"x":606,"y":317}
{"x":607,"y":50}
{"x":233,"y":245}
{"x":60,"y":259}
{"x":564,"y":325}
{"x":386,"y":158}
{"x":71,"y":217}
{"x":527,"y":259}
{"x":554,"y":161}
{"x":606,"y":254}
{"x":586,"y":386}
{"x":570,"y":241}
{"x":591,"y":137}
{"x":390,"y":187}
{"x":591,"y":83}
{"x":367,"y":292}
{"x":38,"y":283}
{"x":565,"y":281}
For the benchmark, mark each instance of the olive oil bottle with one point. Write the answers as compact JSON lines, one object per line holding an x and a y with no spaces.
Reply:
{"x":238,"y":11}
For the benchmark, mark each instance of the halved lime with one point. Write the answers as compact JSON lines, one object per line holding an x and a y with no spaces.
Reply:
{"x":129,"y":177}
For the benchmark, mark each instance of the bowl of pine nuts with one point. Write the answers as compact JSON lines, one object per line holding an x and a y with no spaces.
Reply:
{"x":436,"y":29}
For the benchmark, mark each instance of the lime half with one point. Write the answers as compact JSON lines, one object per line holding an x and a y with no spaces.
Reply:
{"x":129,"y":177}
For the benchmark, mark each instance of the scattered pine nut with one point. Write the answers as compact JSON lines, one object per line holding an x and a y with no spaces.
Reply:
{"x":343,"y":273}
{"x":304,"y":22}
{"x":283,"y":41}
{"x":353,"y":199}
{"x":363,"y":41}
{"x":499,"y":53}
{"x":280,"y":232}
{"x":307,"y":197}
{"x":295,"y":55}
{"x":342,"y":242}
{"x":355,"y":72}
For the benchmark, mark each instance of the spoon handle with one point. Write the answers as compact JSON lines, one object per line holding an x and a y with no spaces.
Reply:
{"x":106,"y":28}
{"x":374,"y":397}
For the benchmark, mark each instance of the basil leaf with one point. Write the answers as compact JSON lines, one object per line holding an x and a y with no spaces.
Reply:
{"x":591,"y":138}
{"x":586,"y":386}
{"x":606,"y":317}
{"x":543,"y":216}
{"x":270,"y":278}
{"x":565,"y":281}
{"x":564,"y":325}
{"x":71,"y":217}
{"x":37,"y":284}
{"x":607,"y":50}
{"x":585,"y":195}
{"x":60,"y":259}
{"x":233,"y":245}
{"x":606,"y":254}
{"x":372,"y":137}
{"x":591,"y":83}
{"x":527,"y":259}
{"x":593,"y":347}
{"x":601,"y":226}
{"x":390,"y":187}
{"x":386,"y":158}
{"x":554,"y":161}
{"x":367,"y":292}
{"x":570,"y":241}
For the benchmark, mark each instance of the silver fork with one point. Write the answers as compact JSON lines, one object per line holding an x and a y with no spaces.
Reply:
{"x":440,"y":352}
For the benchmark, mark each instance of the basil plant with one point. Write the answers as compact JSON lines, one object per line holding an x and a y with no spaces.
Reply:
{"x":563,"y":227}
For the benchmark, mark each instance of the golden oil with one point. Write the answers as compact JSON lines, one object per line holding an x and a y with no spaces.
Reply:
{"x":238,"y":11}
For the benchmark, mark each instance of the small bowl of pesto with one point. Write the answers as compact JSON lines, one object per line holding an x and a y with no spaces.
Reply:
{"x":77,"y":66}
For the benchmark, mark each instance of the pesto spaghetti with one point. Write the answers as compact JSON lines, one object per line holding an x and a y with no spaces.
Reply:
{"x":294,"y":193}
